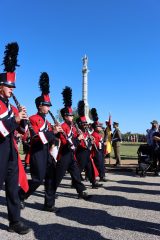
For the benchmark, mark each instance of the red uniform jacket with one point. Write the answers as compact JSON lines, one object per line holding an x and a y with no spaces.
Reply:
{"x":68,"y":139}
{"x":84,"y":144}
{"x":8,"y":144}
{"x":43,"y":131}
{"x":98,"y":140}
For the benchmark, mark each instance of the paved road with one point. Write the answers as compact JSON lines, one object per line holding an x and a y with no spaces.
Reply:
{"x":126,"y":207}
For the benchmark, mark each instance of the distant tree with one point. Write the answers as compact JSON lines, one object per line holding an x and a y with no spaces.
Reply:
{"x":139,"y":137}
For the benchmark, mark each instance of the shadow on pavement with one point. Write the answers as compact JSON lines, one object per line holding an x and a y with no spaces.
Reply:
{"x":112,"y":200}
{"x":56,"y":231}
{"x":101,"y":218}
{"x":138,"y":183}
{"x":132,"y":190}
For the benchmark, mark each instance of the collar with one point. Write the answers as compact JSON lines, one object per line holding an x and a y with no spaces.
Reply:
{"x":42,"y":115}
{"x":68,"y":123}
{"x":4,"y":100}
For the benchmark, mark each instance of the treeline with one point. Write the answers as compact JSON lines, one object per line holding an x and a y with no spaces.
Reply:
{"x":133,"y":137}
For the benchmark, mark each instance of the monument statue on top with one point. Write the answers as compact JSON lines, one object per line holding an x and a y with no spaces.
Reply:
{"x":85,"y":86}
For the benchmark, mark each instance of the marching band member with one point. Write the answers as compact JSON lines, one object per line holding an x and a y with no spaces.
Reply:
{"x":11,"y":170}
{"x":83,"y":152}
{"x":69,"y":140}
{"x":41,"y":163}
{"x":97,"y":150}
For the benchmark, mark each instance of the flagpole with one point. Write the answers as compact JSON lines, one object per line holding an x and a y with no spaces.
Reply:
{"x":111,"y":140}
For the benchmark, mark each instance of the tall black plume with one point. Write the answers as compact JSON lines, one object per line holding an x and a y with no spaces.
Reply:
{"x":81,"y":110}
{"x":67,"y":96}
{"x":94,"y":114}
{"x":44,"y":83}
{"x":10,"y":57}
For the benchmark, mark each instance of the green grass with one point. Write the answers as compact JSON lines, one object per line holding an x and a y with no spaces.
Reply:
{"x":128,"y":150}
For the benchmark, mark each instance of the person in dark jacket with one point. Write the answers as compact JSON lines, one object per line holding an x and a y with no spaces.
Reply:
{"x":156,"y":147}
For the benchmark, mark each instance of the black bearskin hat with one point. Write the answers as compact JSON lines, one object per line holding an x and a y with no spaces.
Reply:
{"x":67,"y":101}
{"x":10,"y":64}
{"x":44,"y":99}
{"x":94,"y":115}
{"x":81,"y":112}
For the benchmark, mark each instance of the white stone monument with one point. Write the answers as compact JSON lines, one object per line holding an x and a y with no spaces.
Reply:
{"x":85,"y":86}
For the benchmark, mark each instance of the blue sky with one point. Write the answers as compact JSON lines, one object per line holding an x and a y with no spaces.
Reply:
{"x":121,"y":39}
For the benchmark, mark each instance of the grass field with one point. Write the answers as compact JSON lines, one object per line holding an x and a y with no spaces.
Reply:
{"x":128,"y":150}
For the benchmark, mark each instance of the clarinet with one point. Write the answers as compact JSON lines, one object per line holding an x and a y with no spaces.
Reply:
{"x":53,"y":118}
{"x":32,"y":132}
{"x":80,"y":132}
{"x":92,"y":139}
{"x":64,"y":133}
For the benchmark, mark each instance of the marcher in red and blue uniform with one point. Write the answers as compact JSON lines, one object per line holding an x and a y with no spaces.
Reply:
{"x":83,"y":152}
{"x":42,"y":167}
{"x":69,"y":138}
{"x":98,"y":147}
{"x":11,"y":169}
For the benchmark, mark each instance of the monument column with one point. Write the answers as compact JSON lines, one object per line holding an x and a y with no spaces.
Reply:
{"x":85,"y":85}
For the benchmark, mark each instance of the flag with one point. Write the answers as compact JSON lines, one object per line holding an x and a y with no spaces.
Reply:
{"x":108,"y":139}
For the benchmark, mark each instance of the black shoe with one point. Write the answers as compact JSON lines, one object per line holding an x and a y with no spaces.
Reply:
{"x":117,"y":165}
{"x":19,"y":228}
{"x":22,"y":204}
{"x":86,"y":179}
{"x":96,"y":185}
{"x":50,"y":209}
{"x":84,"y":195}
{"x":157,"y":174}
{"x":82,"y":179}
{"x":103,"y":179}
{"x":27,"y":168}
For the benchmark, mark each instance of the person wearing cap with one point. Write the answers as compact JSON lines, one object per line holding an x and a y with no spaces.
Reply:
{"x":42,"y":167}
{"x":98,"y":146}
{"x":156,"y":147}
{"x":98,"y":150}
{"x":116,"y":140}
{"x":151,"y":131}
{"x":11,"y":120}
{"x":83,"y":152}
{"x":69,"y":140}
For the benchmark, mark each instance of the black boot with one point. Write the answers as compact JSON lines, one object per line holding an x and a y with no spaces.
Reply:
{"x":157,"y":173}
{"x":84,"y":195}
{"x":96,"y":185}
{"x":22,"y":204}
{"x":50,"y":209}
{"x":103,"y":179}
{"x":19,"y":227}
